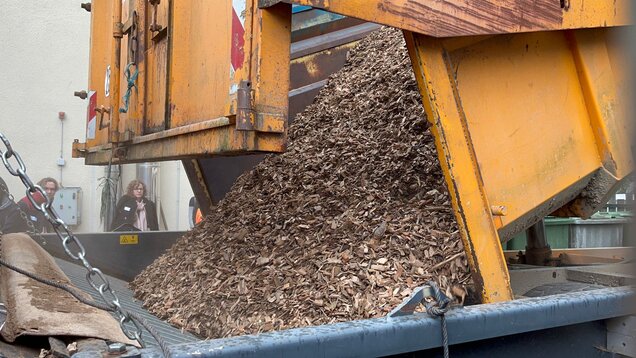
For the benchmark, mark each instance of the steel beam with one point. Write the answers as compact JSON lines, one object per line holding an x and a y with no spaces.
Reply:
{"x":450,"y":18}
{"x":413,"y":333}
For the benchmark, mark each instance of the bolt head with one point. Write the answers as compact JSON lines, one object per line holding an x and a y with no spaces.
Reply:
{"x":116,"y":348}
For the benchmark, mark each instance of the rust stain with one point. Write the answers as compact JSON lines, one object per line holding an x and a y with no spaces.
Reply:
{"x":450,"y":18}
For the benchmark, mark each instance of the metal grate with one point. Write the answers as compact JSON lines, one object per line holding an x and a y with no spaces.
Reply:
{"x":172,"y":335}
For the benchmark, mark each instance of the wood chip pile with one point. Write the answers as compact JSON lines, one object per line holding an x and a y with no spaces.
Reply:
{"x":342,"y":226}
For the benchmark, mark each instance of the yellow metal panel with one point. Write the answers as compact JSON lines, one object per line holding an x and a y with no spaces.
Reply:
{"x":448,"y":18}
{"x":101,"y":33}
{"x":527,"y":118}
{"x":459,"y":164}
{"x":156,"y":76}
{"x":271,"y":61}
{"x":603,"y":78}
{"x":200,"y":60}
{"x":190,"y":74}
{"x":525,"y":124}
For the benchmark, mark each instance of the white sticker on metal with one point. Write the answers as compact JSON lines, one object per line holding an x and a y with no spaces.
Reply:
{"x":91,"y":115}
{"x":107,"y":82}
{"x":237,"y":53}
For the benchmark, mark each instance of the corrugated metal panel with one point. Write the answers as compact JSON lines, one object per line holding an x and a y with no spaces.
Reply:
{"x":170,"y":334}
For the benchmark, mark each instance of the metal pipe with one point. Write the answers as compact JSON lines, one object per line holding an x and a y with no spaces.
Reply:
{"x":535,"y":236}
{"x":115,"y":72}
{"x":538,"y":251}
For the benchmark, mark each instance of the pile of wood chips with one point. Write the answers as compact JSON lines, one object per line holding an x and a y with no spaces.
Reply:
{"x":342,"y":226}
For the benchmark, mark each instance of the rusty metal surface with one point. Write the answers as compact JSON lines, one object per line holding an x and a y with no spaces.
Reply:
{"x":317,"y":66}
{"x":306,"y":32}
{"x":331,"y":39}
{"x":36,"y":309}
{"x":451,"y":18}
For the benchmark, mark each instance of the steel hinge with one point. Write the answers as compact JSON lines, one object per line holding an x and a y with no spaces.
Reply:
{"x":246,"y":117}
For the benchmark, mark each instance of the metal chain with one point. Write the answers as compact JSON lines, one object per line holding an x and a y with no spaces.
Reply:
{"x":71,"y":243}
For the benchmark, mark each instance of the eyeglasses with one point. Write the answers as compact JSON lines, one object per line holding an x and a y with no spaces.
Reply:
{"x":141,"y":189}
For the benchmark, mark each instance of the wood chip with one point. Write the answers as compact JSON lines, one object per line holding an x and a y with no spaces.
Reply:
{"x":342,"y":226}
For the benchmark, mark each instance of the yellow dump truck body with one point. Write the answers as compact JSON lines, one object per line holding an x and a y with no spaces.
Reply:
{"x":525,"y":98}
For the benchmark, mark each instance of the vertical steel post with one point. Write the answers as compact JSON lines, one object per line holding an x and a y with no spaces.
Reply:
{"x":460,"y":167}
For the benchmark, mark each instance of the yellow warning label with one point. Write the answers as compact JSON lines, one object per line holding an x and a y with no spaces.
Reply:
{"x":128,"y":239}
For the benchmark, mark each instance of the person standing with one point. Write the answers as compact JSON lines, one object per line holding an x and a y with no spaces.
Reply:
{"x":10,"y":218}
{"x":50,"y":187}
{"x":135,"y":212}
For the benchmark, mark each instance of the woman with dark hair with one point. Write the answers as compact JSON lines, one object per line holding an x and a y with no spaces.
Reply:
{"x":134,"y":211}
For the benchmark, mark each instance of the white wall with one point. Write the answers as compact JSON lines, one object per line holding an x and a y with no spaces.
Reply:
{"x":44,"y":50}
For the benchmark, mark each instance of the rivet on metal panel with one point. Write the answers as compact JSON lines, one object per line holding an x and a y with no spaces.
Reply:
{"x":244,"y":107}
{"x":498,"y":210}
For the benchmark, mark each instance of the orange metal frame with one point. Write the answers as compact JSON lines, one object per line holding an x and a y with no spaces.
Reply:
{"x":524,"y":98}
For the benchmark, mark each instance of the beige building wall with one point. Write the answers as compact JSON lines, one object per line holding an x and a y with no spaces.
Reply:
{"x":44,"y":50}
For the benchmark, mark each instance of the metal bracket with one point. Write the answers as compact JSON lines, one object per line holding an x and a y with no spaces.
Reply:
{"x":244,"y":107}
{"x":79,"y":150}
{"x":408,"y":306}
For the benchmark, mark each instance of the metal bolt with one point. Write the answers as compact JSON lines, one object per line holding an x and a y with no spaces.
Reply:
{"x":86,"y":6}
{"x":498,"y":210}
{"x":116,"y":348}
{"x":80,"y":94}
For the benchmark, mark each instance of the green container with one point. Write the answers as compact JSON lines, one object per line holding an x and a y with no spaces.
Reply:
{"x":563,"y":233}
{"x":557,"y":231}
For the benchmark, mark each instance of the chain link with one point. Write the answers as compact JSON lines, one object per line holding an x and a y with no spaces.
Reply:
{"x":73,"y":247}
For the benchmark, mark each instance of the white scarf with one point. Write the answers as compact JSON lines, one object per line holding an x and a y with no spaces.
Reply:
{"x":141,"y":223}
